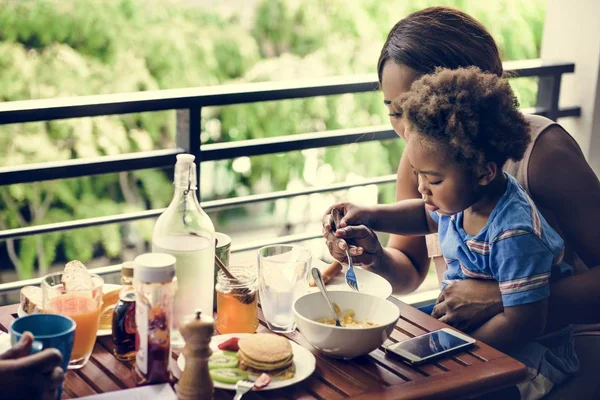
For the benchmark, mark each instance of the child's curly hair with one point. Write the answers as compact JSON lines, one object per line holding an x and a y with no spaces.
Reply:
{"x":474,"y":113}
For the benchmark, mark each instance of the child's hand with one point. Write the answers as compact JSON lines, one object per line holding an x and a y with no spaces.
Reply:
{"x":352,"y":215}
{"x":362,"y":244}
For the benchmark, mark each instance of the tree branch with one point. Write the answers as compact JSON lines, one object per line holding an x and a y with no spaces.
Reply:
{"x":35,"y":208}
{"x":130,"y":194}
{"x":42,"y":262}
{"x":13,"y":206}
{"x":131,"y":197}
{"x":45,"y":206}
{"x":12,"y":254}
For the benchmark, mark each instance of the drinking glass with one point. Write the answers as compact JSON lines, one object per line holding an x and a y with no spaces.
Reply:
{"x":83,"y":306}
{"x":282,"y":278}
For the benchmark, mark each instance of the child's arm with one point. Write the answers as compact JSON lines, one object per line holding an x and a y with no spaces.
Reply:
{"x":515,"y":326}
{"x":521,"y":264}
{"x":406,"y":217}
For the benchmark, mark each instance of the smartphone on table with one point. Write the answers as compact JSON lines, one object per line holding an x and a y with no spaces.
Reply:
{"x":431,"y":345}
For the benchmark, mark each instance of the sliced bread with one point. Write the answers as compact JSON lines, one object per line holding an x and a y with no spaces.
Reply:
{"x":31,"y":299}
{"x":76,"y":277}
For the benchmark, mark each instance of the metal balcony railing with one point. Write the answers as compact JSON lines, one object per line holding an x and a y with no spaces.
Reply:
{"x":189,"y":103}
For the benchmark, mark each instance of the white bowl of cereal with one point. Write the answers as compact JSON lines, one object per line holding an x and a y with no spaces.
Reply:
{"x":367,"y":322}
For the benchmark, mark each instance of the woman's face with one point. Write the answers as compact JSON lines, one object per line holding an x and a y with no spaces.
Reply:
{"x":395,"y":80}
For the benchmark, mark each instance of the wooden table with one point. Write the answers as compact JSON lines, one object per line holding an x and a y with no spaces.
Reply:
{"x":480,"y":370}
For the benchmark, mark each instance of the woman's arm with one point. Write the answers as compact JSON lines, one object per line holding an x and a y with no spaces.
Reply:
{"x":467,"y":304}
{"x":573,"y":300}
{"x":561,"y":180}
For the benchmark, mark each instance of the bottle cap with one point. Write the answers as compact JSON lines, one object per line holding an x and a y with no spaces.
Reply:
{"x":127,"y":269}
{"x":185,"y":171}
{"x":185,"y":158}
{"x":154,"y":268}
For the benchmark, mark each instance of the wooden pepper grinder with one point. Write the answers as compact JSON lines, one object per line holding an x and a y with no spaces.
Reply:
{"x":195,"y":382}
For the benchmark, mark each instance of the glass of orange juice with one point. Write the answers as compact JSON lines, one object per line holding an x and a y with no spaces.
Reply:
{"x":82,"y":304}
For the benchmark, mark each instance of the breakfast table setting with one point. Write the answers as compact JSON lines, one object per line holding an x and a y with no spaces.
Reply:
{"x":190,"y":321}
{"x":318,"y":374}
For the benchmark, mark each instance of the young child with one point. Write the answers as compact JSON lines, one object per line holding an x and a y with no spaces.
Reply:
{"x":461,"y":127}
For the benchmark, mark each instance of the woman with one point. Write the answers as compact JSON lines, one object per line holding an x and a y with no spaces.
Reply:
{"x":554,"y":172}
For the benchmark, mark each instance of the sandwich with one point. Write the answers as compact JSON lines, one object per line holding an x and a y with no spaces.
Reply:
{"x":267,"y":353}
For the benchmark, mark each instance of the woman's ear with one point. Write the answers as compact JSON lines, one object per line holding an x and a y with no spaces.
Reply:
{"x":487,"y":173}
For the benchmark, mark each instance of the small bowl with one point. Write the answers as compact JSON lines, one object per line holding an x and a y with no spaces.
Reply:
{"x":341,"y":342}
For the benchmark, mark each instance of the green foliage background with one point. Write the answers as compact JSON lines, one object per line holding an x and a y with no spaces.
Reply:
{"x":72,"y":48}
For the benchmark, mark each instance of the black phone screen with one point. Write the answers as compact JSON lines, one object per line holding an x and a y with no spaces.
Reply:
{"x":430,"y":344}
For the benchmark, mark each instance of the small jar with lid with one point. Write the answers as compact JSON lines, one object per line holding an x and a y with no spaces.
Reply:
{"x":155,"y":286}
{"x":237,"y":301}
{"x":123,"y":318}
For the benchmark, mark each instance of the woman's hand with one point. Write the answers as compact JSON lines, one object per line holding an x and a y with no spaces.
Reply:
{"x":24,"y":376}
{"x":467,"y":304}
{"x":364,"y":245}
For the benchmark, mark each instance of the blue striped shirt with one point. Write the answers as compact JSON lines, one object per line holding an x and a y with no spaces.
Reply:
{"x":517,"y":248}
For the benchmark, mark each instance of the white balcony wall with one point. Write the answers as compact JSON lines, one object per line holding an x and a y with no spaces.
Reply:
{"x":572,"y":32}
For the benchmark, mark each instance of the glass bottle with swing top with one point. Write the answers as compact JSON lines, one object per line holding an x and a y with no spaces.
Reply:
{"x":185,"y":231}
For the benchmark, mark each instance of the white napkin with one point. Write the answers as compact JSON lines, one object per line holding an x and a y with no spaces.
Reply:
{"x":163,"y":391}
{"x":4,"y":342}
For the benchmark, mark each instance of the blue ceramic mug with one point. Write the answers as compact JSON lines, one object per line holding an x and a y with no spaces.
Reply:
{"x":49,"y":331}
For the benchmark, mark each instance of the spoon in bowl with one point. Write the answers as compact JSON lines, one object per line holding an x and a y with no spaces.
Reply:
{"x":316,"y":274}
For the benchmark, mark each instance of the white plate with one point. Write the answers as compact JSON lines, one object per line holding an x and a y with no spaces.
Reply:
{"x":107,"y":287}
{"x":368,"y":282}
{"x":20,"y":312}
{"x":303,"y":359}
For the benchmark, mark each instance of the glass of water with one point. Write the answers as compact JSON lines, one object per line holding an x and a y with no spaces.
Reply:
{"x":282,"y":278}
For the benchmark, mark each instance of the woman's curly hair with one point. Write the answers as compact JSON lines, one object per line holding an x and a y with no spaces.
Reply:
{"x":474,"y":113}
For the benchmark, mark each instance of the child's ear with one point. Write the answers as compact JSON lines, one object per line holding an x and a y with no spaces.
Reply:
{"x":488,"y":173}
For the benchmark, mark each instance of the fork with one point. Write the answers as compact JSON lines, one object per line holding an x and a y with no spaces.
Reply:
{"x":350,"y":275}
{"x":241,"y":388}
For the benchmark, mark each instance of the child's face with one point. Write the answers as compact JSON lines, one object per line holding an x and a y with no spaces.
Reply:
{"x":445,"y":186}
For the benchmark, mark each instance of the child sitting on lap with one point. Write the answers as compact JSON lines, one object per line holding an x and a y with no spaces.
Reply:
{"x":461,"y":127}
